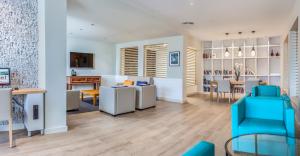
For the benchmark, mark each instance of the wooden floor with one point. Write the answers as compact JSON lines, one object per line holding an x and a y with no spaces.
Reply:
{"x":167,"y":130}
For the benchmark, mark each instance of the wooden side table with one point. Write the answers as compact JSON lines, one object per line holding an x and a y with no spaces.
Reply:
{"x":93,"y":93}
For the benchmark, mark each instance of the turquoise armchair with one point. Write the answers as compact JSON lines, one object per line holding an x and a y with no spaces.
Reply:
{"x":268,"y":115}
{"x":203,"y":148}
{"x":266,"y":91}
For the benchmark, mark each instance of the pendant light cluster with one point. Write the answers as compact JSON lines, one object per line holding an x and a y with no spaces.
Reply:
{"x":240,"y":52}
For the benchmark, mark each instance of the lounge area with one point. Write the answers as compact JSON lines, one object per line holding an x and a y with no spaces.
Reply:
{"x":157,"y":78}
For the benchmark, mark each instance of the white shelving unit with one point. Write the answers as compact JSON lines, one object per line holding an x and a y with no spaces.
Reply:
{"x":263,"y":65}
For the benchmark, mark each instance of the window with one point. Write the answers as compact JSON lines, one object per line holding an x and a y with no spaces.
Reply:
{"x":129,"y":61}
{"x":294,"y":64}
{"x":156,"y":60}
{"x":190,"y":67}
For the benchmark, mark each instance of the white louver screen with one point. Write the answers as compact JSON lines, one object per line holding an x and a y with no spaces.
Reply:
{"x":129,"y":61}
{"x":156,"y":60}
{"x":190,"y":67}
{"x":293,"y":64}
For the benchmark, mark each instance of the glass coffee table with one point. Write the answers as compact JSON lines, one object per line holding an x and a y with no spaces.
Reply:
{"x":262,"y":145}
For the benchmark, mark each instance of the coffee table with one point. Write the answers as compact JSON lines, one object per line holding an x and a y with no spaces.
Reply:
{"x":93,"y":93}
{"x":262,"y":145}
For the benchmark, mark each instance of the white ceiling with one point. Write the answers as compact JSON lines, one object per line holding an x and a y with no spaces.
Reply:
{"x":128,"y":20}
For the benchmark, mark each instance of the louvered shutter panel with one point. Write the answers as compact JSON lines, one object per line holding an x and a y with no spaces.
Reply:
{"x":190,"y":67}
{"x":129,"y":61}
{"x":293,"y":64}
{"x":156,"y":60}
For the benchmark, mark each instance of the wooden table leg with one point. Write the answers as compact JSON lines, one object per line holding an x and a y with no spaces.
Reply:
{"x":81,"y":94}
{"x":94,"y":99}
{"x":10,"y":127}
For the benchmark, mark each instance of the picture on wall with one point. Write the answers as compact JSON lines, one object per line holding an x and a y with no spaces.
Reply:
{"x":4,"y":76}
{"x":174,"y":58}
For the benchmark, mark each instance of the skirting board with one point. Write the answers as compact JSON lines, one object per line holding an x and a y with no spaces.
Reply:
{"x":54,"y":130}
{"x":171,"y":100}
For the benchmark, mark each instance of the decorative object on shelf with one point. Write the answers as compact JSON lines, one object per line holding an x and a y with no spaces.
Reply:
{"x":214,"y":56}
{"x":272,"y":52}
{"x":237,"y":71}
{"x":277,"y":54}
{"x":174,"y":58}
{"x":249,"y":71}
{"x":73,"y":72}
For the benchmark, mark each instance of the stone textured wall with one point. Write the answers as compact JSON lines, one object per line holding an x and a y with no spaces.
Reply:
{"x":19,"y":41}
{"x":19,"y":47}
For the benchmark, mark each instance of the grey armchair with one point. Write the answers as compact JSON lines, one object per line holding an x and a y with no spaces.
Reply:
{"x":73,"y":100}
{"x":117,"y":101}
{"x":146,"y":96}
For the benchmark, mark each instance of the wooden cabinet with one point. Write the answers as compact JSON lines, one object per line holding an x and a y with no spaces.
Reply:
{"x":83,"y":80}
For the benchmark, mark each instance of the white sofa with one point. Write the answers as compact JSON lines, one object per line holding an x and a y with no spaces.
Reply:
{"x":117,"y":101}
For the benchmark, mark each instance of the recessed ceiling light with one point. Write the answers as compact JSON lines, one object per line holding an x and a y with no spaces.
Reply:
{"x":188,"y":23}
{"x":81,"y":29}
{"x":92,"y":24}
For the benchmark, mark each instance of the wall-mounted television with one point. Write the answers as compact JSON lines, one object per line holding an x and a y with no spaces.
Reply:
{"x":81,"y":60}
{"x":4,"y":76}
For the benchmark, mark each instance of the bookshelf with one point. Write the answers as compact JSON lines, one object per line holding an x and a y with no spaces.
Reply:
{"x":264,"y":65}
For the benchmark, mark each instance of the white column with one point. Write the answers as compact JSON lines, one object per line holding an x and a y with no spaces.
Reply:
{"x":52,"y":62}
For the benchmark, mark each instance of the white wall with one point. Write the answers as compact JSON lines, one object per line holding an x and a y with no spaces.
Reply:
{"x":104,"y":56}
{"x":170,"y":88}
{"x":52,"y":62}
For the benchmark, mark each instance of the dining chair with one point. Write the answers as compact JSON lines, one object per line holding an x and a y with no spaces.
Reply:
{"x":6,"y":111}
{"x":249,"y":84}
{"x":224,"y":87}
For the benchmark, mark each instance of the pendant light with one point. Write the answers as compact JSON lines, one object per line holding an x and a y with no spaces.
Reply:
{"x":226,"y":54}
{"x":240,"y":53}
{"x":253,"y":53}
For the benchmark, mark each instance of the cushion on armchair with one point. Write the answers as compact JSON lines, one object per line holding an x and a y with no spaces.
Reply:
{"x":266,"y":91}
{"x":142,"y":83}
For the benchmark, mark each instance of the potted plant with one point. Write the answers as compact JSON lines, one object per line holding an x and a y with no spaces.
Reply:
{"x":237,"y":71}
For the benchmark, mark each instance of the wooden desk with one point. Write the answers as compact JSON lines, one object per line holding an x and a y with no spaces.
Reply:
{"x":10,"y":120}
{"x":93,"y":93}
{"x":83,"y":80}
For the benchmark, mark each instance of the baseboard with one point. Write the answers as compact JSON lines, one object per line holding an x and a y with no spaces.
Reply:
{"x":193,"y":94}
{"x":54,"y":130}
{"x":171,"y":100}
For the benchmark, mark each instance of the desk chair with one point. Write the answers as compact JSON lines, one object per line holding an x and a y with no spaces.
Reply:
{"x":6,"y":111}
{"x":224,"y":87}
{"x":249,"y":84}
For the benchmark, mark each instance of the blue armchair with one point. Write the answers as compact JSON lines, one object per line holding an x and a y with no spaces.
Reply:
{"x":263,"y":115}
{"x":269,"y":115}
{"x":266,"y":91}
{"x":203,"y":148}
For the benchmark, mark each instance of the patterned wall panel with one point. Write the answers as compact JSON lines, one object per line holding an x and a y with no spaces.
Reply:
{"x":19,"y":40}
{"x":19,"y":47}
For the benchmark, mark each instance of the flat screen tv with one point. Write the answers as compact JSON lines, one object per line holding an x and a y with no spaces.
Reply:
{"x":4,"y":76}
{"x":81,"y":60}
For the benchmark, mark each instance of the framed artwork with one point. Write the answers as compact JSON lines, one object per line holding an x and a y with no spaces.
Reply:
{"x":174,"y":58}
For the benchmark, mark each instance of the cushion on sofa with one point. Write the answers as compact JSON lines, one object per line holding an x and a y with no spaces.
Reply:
{"x":255,"y":125}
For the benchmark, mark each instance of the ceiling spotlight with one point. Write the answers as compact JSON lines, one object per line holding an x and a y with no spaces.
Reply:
{"x":92,"y":24}
{"x":188,"y":23}
{"x":80,"y":29}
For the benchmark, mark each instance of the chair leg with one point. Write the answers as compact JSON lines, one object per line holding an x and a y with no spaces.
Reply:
{"x":229,"y":97}
{"x":218,"y":97}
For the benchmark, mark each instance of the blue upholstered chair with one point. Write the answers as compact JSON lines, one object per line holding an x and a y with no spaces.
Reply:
{"x":202,"y":148}
{"x":268,"y":115}
{"x":262,"y":114}
{"x":269,"y":91}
